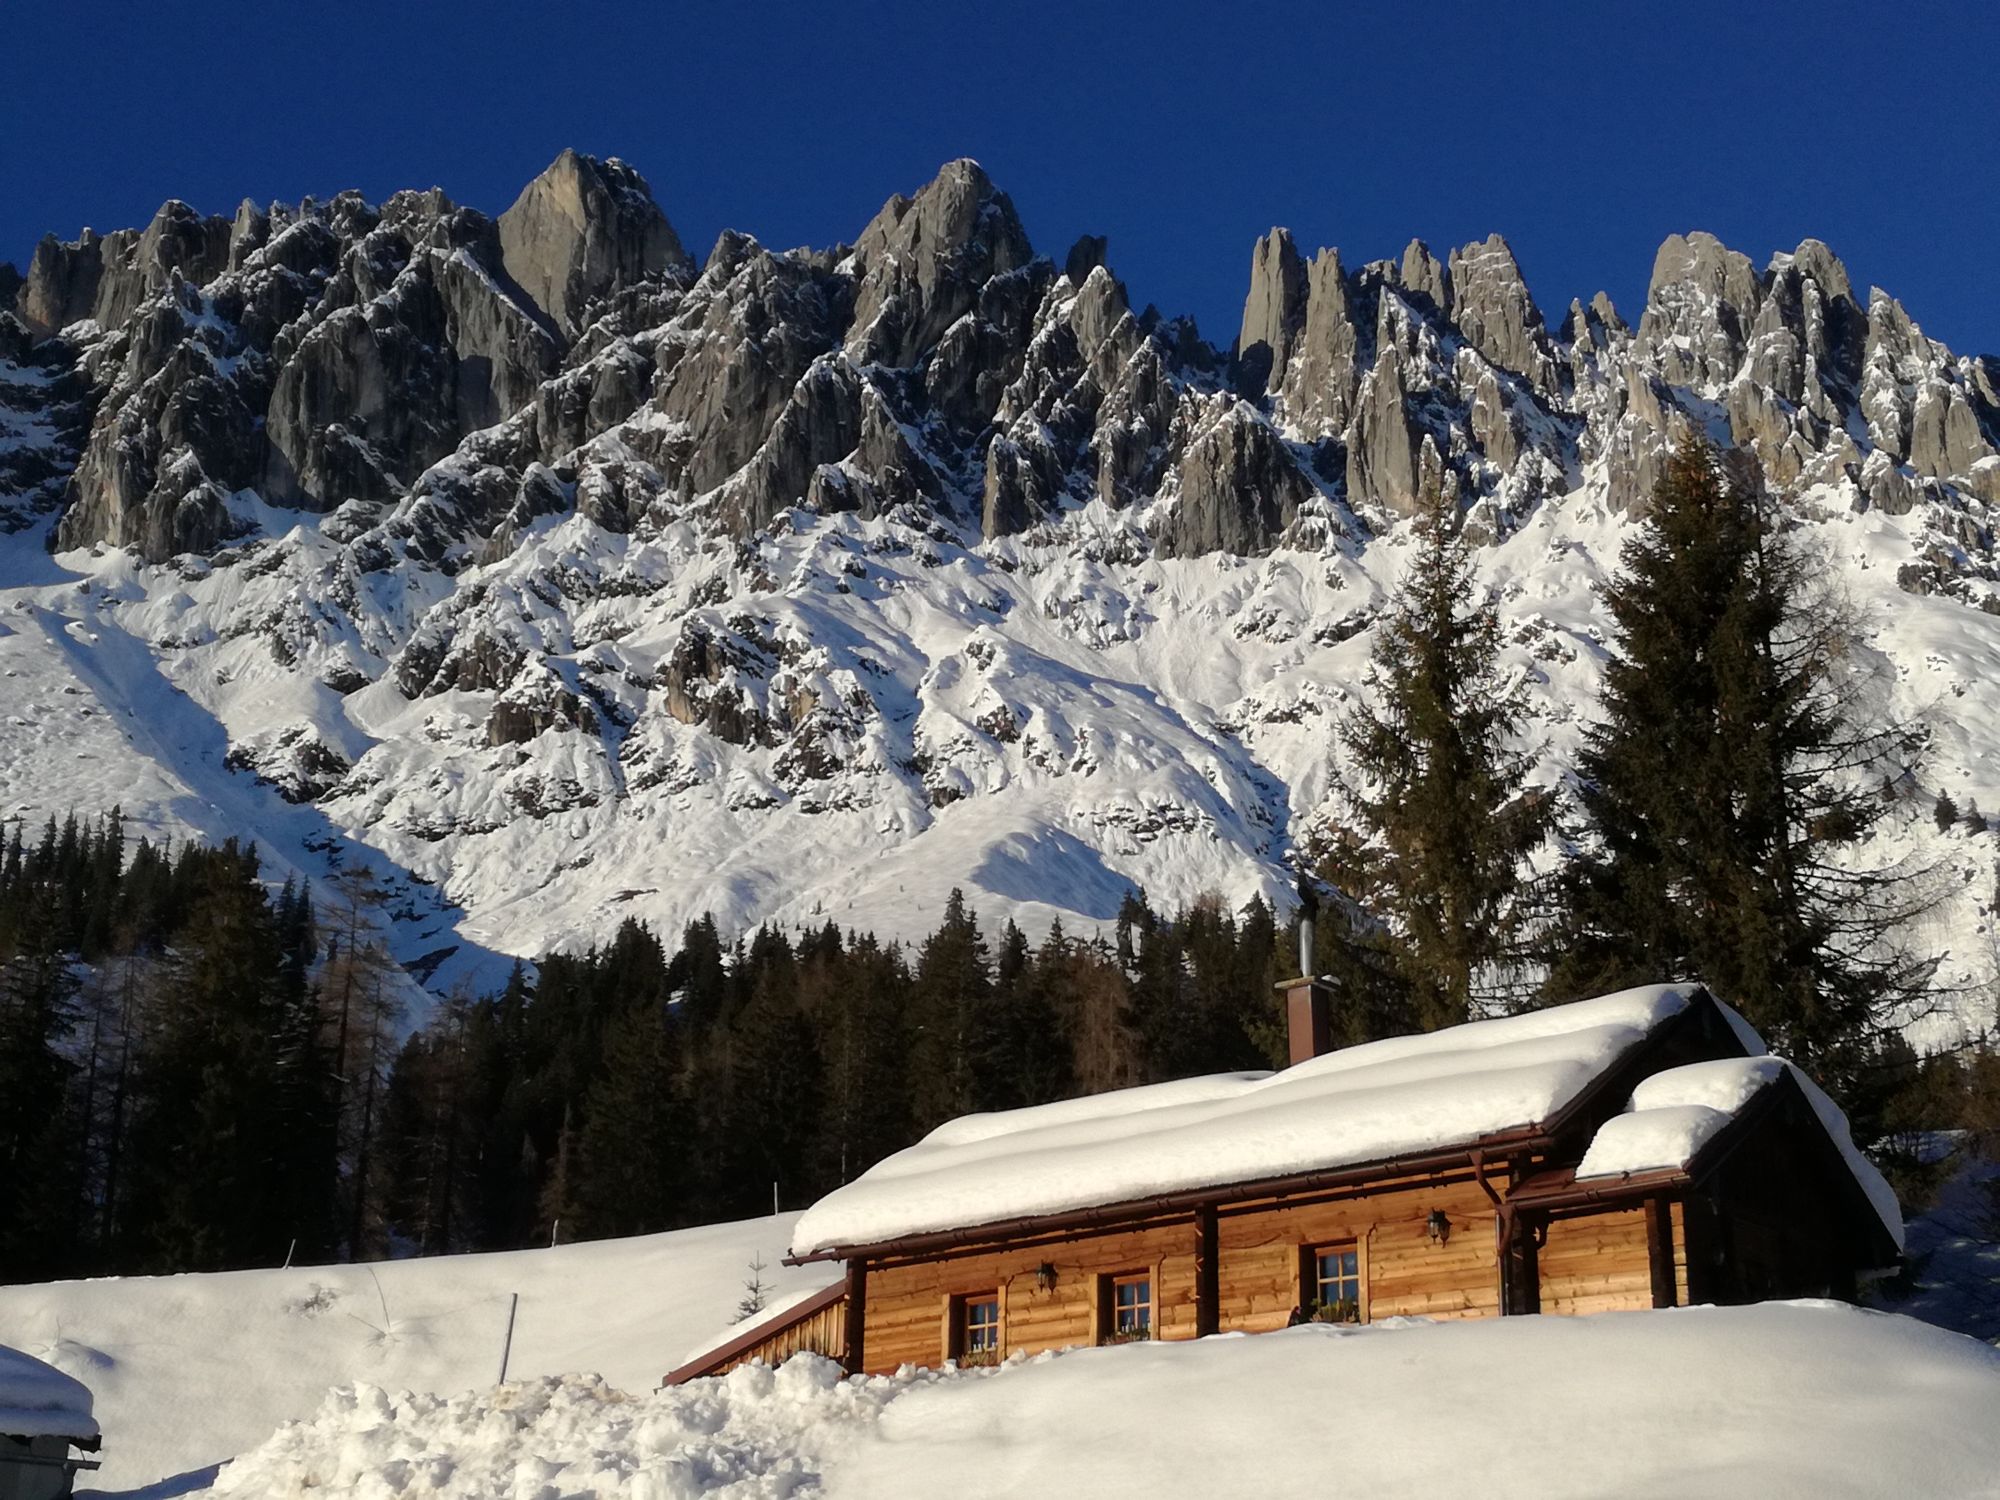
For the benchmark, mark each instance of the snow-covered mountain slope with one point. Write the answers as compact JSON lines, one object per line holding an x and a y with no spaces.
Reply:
{"x":1784,"y":1399}
{"x":565,"y":581}
{"x":186,"y":1371}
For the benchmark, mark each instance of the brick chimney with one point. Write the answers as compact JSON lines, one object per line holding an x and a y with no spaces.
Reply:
{"x":1308,"y":1017}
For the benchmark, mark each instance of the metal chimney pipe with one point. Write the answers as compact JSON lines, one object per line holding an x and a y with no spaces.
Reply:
{"x":1308,"y":1003}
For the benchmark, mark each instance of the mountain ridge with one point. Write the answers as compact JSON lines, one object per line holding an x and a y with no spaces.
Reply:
{"x":526,"y":550}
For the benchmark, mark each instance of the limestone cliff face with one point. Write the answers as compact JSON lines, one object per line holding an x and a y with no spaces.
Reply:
{"x":461,"y":376}
{"x":581,"y":231}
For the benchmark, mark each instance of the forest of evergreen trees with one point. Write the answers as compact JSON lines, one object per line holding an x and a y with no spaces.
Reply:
{"x":198,"y":1071}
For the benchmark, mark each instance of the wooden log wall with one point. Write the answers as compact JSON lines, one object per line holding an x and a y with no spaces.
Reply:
{"x":1615,"y":1259}
{"x":1260,"y":1249}
{"x":821,"y":1332}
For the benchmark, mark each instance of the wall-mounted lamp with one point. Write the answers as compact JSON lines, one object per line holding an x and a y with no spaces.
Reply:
{"x":1045,"y":1277}
{"x":1438,"y":1226}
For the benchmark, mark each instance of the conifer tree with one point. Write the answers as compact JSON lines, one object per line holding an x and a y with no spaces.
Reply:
{"x":954,"y":987}
{"x":1091,"y":995}
{"x":39,"y":1184}
{"x":1443,"y":819}
{"x":631,"y":1150}
{"x":1729,"y":785}
{"x":1026,"y":1056}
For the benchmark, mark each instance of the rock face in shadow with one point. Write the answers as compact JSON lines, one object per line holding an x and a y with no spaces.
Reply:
{"x":1240,"y":488}
{"x":925,"y":260}
{"x":324,"y":353}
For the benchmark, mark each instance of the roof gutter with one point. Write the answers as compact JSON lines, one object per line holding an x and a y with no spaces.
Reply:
{"x":1599,"y":1190}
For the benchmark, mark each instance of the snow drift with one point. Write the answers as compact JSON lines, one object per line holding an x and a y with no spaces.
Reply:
{"x":189,"y":1370}
{"x":1805,"y":1399}
{"x":38,"y":1400}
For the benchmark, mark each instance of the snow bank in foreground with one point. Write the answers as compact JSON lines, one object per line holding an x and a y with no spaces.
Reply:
{"x":755,"y":1432}
{"x":190,"y":1370}
{"x":1784,"y":1399}
{"x":37,"y":1400}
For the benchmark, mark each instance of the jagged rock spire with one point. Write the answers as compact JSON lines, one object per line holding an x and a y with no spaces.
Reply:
{"x":581,"y":230}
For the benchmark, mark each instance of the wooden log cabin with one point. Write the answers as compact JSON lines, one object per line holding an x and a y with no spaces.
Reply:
{"x":1636,"y":1150}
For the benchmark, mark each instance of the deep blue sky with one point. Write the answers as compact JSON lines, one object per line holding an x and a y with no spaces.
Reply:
{"x":1585,"y":133}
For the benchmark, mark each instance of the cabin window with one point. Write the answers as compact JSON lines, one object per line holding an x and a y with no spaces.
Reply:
{"x":975,"y":1328}
{"x":1127,"y":1303}
{"x":1332,"y":1284}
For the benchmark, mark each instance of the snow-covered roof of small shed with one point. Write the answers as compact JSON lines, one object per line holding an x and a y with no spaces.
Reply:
{"x":1375,"y":1102}
{"x":1674,"y":1113}
{"x":38,"y":1400}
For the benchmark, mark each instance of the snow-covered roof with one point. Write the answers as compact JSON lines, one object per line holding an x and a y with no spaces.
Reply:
{"x":1375,"y":1102}
{"x":38,"y":1400}
{"x":1674,"y":1113}
{"x":765,"y":1314}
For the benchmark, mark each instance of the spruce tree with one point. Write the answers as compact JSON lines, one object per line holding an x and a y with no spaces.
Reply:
{"x":1443,"y":820}
{"x":954,"y":987}
{"x":631,"y":1149}
{"x":1729,"y":788}
{"x":40,"y":1184}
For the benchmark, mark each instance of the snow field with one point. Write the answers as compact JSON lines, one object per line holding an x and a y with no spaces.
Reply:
{"x":1086,"y":719}
{"x":190,"y":1370}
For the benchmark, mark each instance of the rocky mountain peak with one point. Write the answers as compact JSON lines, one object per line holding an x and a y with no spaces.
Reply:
{"x":580,"y":231}
{"x":924,"y":260}
{"x":1490,"y":304}
{"x":1420,"y":274}
{"x":1274,"y":312}
{"x":856,"y":533}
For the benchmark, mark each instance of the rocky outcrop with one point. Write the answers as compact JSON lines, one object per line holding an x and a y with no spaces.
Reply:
{"x":317,"y":354}
{"x":61,"y":284}
{"x":1239,"y":486}
{"x":1095,"y":412}
{"x":441,"y":381}
{"x":581,"y":232}
{"x":750,"y":329}
{"x":1699,"y":307}
{"x":45,"y":410}
{"x":1382,"y":445}
{"x":1490,"y":305}
{"x":1324,"y":371}
{"x":924,"y":262}
{"x":1273,"y":313}
{"x":1428,"y":284}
